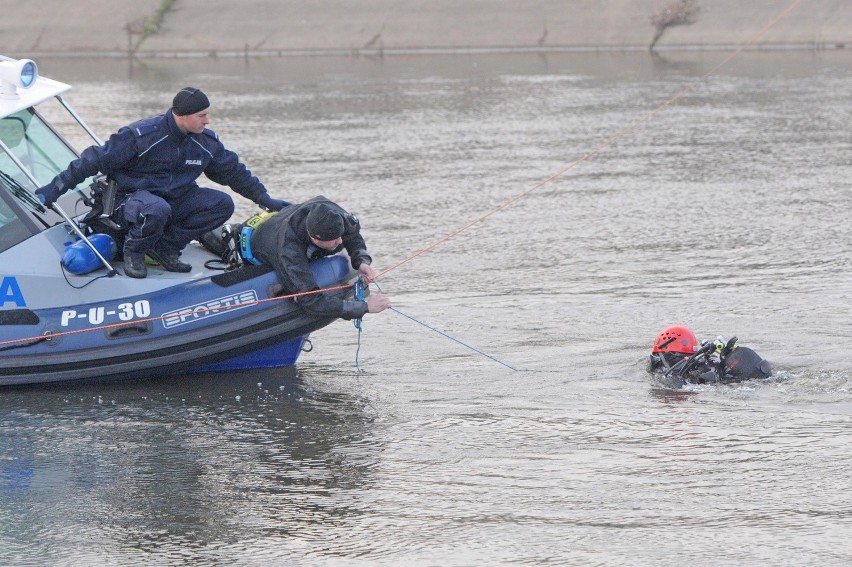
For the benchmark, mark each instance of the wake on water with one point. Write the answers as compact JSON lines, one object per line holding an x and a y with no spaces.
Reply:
{"x":790,"y":381}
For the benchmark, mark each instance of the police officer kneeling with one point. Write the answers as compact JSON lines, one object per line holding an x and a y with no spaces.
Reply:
{"x":290,"y":239}
{"x":156,"y":162}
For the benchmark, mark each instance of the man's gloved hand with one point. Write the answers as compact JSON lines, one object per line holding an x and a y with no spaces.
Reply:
{"x":48,"y":194}
{"x":272,"y":204}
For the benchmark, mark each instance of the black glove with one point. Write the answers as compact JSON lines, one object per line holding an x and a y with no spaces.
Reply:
{"x":48,"y":194}
{"x":272,"y":204}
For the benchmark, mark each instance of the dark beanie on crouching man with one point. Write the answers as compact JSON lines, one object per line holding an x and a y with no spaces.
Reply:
{"x":189,"y":100}
{"x":324,"y":223}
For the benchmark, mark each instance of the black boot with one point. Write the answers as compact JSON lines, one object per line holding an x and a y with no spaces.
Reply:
{"x":134,"y":265}
{"x":168,"y":259}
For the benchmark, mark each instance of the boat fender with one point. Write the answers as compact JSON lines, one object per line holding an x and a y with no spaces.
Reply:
{"x":79,"y":259}
{"x":245,"y":235}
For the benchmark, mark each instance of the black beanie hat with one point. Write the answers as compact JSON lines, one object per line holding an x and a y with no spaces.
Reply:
{"x":189,"y":101}
{"x":324,"y":223}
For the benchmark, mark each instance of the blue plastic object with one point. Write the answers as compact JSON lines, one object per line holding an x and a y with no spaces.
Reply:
{"x":80,"y":259}
{"x":330,"y":270}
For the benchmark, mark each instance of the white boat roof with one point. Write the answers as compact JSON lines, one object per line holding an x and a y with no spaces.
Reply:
{"x":41,"y":90}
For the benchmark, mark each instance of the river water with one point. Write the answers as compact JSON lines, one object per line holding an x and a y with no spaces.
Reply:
{"x":727,"y":211}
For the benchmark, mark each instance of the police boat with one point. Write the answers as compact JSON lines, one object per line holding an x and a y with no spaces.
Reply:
{"x":67,"y":312}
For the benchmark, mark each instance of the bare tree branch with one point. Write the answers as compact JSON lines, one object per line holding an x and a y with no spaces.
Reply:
{"x":681,"y":13}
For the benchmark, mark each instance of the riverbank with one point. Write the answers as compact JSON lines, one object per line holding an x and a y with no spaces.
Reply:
{"x":200,"y":28}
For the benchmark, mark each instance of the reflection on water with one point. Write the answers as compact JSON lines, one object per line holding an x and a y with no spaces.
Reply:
{"x":725,"y":213}
{"x":197,"y":461}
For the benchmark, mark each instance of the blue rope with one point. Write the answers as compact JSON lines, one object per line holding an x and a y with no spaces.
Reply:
{"x":357,"y":351}
{"x":359,"y":289}
{"x":454,"y":339}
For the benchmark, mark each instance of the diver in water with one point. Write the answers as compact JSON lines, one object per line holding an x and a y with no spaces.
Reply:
{"x":681,"y":360}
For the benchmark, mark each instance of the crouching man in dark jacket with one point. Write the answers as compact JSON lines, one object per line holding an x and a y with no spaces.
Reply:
{"x":301,"y":233}
{"x":156,"y":163}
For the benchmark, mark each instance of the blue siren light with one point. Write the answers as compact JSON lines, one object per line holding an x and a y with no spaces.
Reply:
{"x":14,"y":74}
{"x":29,"y":74}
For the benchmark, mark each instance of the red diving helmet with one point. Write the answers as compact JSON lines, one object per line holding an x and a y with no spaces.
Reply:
{"x":676,"y":339}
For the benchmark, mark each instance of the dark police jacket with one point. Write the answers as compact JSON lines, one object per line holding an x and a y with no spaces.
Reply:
{"x":153,"y":154}
{"x":283,"y":243}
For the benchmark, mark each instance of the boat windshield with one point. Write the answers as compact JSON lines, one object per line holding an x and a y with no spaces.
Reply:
{"x":30,"y":149}
{"x":13,"y":229}
{"x":39,"y":149}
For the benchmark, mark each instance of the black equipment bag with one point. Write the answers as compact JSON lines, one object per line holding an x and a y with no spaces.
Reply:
{"x":744,"y":364}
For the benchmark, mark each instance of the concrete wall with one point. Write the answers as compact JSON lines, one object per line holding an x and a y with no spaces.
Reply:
{"x":226,"y":27}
